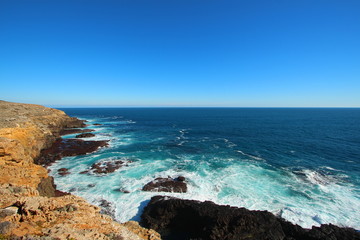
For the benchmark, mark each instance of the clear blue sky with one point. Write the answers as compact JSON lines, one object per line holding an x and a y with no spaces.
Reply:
{"x":246,"y":53}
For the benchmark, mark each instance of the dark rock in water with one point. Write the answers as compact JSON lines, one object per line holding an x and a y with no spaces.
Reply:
{"x":91,"y":185}
{"x":84,"y":172}
{"x":85,"y":135}
{"x":63,"y":171}
{"x":68,"y":131}
{"x":180,"y":178}
{"x":47,"y":188}
{"x":97,"y":124}
{"x":122,"y":190}
{"x":68,"y":147}
{"x":106,"y":167}
{"x":188,"y":219}
{"x":166,"y":185}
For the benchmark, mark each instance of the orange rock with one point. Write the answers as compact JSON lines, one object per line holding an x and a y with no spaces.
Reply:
{"x":25,"y":130}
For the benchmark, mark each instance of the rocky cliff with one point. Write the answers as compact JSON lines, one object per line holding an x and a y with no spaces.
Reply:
{"x":28,"y":204}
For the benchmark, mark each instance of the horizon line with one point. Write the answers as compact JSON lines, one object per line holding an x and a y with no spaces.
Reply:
{"x":95,"y":106}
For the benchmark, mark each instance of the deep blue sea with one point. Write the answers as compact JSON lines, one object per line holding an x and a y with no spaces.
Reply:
{"x":300,"y":164}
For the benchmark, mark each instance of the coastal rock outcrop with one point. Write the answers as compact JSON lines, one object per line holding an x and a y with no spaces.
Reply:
{"x":85,"y":135}
{"x":107,"y":166}
{"x":188,"y":219}
{"x":66,"y":148}
{"x":166,"y":185}
{"x":68,"y":131}
{"x":30,"y":205}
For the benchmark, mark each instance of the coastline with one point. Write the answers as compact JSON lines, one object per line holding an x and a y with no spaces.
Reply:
{"x":30,"y":205}
{"x":169,"y":212}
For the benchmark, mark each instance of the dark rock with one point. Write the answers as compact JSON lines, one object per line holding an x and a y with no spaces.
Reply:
{"x":188,"y":219}
{"x":180,"y":178}
{"x":106,"y":167}
{"x":91,"y":185}
{"x":5,"y":227}
{"x":68,"y":131}
{"x":63,"y":171}
{"x":47,"y":188}
{"x":122,"y":190}
{"x":84,"y":172}
{"x":166,"y":185}
{"x":97,"y":124}
{"x":85,"y":135}
{"x":68,"y":147}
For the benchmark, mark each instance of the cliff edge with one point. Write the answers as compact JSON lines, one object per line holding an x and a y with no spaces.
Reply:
{"x":29,"y":208}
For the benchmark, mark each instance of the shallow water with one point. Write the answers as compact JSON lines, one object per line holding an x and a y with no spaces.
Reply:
{"x":300,"y":164}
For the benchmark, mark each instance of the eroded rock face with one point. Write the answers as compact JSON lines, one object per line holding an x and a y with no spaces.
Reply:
{"x":166,"y":185}
{"x":26,"y":129}
{"x":188,"y":219}
{"x":47,"y":188}
{"x":68,"y":147}
{"x":29,"y":208}
{"x":63,"y":217}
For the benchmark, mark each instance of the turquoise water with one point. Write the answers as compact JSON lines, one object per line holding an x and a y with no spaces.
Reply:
{"x":300,"y":164}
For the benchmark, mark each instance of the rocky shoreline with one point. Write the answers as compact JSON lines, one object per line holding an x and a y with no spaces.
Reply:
{"x":30,"y":205}
{"x":32,"y":208}
{"x":183,"y":219}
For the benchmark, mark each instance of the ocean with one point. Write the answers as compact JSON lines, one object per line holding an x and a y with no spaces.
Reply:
{"x":302,"y":164}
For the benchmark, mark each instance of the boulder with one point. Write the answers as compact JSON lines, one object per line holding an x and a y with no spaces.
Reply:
{"x":166,"y":185}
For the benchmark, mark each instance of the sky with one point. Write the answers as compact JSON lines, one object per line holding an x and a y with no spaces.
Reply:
{"x":182,"y":53}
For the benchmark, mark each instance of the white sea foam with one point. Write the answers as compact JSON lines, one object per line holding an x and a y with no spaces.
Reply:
{"x":304,"y":196}
{"x":249,"y":155}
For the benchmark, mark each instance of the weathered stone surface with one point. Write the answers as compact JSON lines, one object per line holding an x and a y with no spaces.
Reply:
{"x":9,"y":211}
{"x":68,"y":147}
{"x":47,"y":188}
{"x":25,"y":130}
{"x":188,"y":219}
{"x":97,"y":124}
{"x":5,"y":227}
{"x":166,"y":185}
{"x":85,"y":135}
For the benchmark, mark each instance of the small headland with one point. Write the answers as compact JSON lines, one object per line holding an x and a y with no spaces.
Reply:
{"x":30,"y":205}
